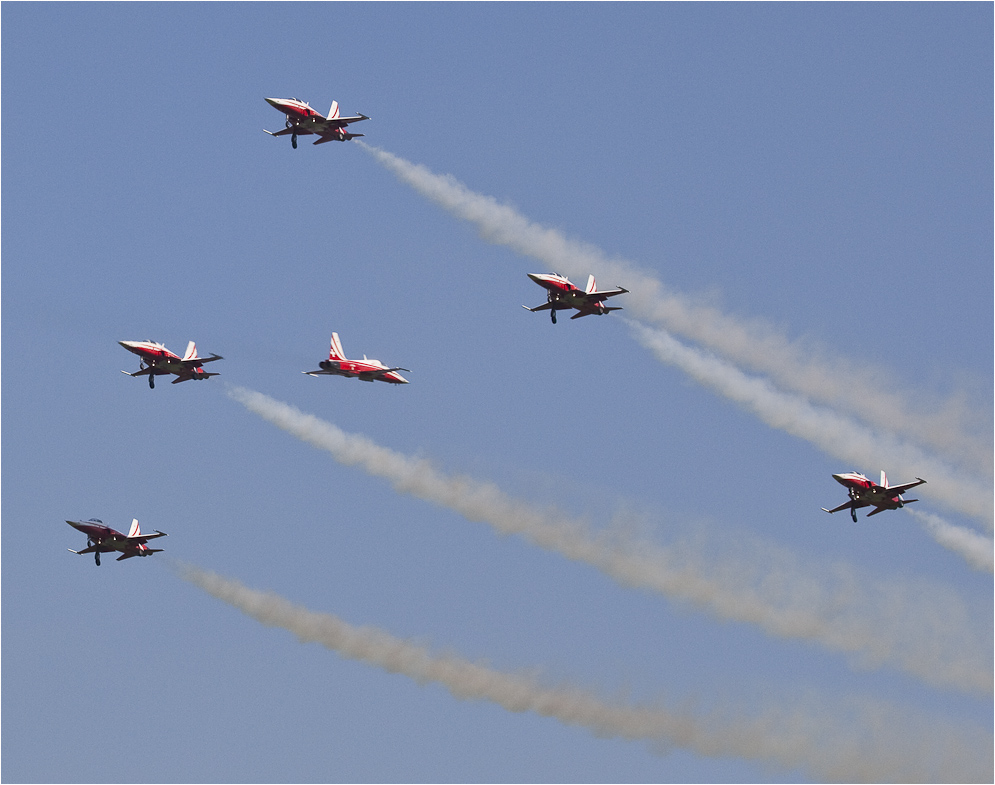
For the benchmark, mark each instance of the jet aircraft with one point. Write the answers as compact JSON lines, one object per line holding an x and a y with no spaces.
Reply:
{"x":366,"y":370}
{"x":302,"y":120}
{"x":104,"y":539}
{"x":867,"y":493}
{"x":157,"y":360}
{"x":563,"y":295}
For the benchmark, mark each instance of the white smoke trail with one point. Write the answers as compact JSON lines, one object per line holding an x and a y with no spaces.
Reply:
{"x":866,"y":742}
{"x":830,"y":432}
{"x":923,"y":631}
{"x":794,"y":365}
{"x":976,"y":549}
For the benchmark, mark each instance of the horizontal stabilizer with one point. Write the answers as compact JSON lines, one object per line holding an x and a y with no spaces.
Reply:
{"x":202,"y":375}
{"x":128,"y":555}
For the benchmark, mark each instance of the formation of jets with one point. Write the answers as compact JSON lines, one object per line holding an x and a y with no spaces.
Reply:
{"x":104,"y":539}
{"x":561,"y":294}
{"x":867,"y":493}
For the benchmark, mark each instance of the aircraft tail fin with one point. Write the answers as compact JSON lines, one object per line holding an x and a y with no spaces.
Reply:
{"x":191,"y":353}
{"x":335,"y":352}
{"x":884,"y":479}
{"x":135,"y":530}
{"x":592,"y":286}
{"x":334,"y":111}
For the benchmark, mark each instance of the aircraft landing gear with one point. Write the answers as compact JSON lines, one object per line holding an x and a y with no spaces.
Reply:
{"x":853,"y":512}
{"x":151,"y":381}
{"x":293,"y":141}
{"x":96,"y":557}
{"x":552,"y":314}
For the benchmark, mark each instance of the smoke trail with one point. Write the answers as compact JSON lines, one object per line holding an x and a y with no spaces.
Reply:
{"x":795,"y":365}
{"x":977,"y":550}
{"x":924,"y":631}
{"x":834,"y":434}
{"x":873,"y":743}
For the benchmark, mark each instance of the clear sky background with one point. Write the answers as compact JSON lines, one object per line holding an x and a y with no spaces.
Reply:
{"x":824,"y":168}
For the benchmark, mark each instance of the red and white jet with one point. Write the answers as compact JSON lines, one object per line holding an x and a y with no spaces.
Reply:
{"x":867,"y":493}
{"x":104,"y":539}
{"x":157,"y":360}
{"x":303,"y":120}
{"x":366,"y":370}
{"x":563,"y":295}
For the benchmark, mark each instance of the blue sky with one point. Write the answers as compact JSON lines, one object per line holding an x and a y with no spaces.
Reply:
{"x":824,"y":170}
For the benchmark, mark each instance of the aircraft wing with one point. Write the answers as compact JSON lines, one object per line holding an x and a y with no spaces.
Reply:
{"x":385,"y":371}
{"x":543,"y":307}
{"x":196,"y":362}
{"x":602,"y":296}
{"x":141,"y":539}
{"x":342,"y":122}
{"x":899,"y":489}
{"x":318,"y":373}
{"x":300,"y":131}
{"x":846,"y":505}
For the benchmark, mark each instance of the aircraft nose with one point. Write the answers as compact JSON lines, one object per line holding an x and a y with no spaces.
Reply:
{"x":274,"y":102}
{"x":838,"y":478}
{"x":535,"y":277}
